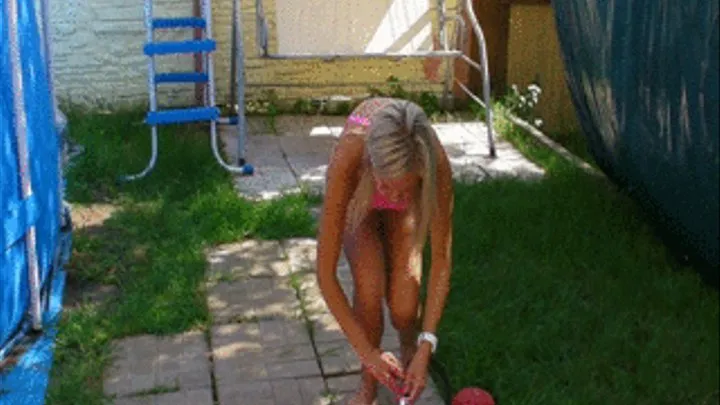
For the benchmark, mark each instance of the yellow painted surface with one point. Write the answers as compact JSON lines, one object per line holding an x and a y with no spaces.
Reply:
{"x":534,"y":55}
{"x":302,"y":79}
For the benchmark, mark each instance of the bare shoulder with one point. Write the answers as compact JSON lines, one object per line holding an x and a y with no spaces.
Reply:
{"x":342,"y":171}
{"x":347,"y":153}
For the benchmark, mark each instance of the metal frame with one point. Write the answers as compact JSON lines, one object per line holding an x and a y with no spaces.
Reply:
{"x":238,"y":72}
{"x":447,"y":52}
{"x":208,"y":96}
{"x":19,"y":112}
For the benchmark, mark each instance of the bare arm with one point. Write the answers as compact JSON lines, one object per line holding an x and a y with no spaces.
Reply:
{"x":341,"y":182}
{"x":441,"y":245}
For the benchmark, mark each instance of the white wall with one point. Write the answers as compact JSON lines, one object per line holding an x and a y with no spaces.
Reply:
{"x":97,"y":44}
{"x":352,"y":26}
{"x":97,"y":51}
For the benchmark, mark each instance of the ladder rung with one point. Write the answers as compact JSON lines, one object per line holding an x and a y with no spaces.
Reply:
{"x":182,"y":115}
{"x":181,"y":77}
{"x":175,"y":47}
{"x":183,"y":22}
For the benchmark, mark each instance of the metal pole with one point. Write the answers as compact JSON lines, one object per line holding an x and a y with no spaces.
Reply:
{"x":153,"y":97}
{"x":240,"y":81}
{"x":446,"y":47}
{"x":233,"y":51}
{"x":207,"y":14}
{"x":23,"y":159}
{"x":485,"y":73}
{"x":200,"y":88}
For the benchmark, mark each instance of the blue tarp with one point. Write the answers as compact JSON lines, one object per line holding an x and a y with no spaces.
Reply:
{"x":643,"y":75}
{"x":34,"y":127}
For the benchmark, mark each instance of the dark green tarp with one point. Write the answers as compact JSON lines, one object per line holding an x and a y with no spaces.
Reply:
{"x":643,"y":75}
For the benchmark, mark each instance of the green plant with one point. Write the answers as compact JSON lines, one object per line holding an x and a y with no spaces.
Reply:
{"x":425,"y":99}
{"x":523,"y":103}
{"x":304,"y":106}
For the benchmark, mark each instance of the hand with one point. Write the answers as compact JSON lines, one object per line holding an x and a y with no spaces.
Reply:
{"x":385,"y":367}
{"x":416,"y":374}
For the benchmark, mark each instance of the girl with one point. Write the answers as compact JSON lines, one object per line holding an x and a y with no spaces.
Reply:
{"x":389,"y":187}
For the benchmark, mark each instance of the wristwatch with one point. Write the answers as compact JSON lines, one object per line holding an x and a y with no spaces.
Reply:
{"x":430,"y":338}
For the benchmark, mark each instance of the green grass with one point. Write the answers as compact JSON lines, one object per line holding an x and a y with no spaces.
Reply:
{"x":563,"y":294}
{"x":151,"y":248}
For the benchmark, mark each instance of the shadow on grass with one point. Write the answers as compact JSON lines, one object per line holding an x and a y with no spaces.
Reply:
{"x":562,"y":293}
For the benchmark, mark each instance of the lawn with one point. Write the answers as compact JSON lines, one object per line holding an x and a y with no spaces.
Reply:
{"x":150,"y":249}
{"x":561,"y":293}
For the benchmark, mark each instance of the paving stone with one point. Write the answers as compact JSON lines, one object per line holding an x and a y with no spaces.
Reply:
{"x":343,"y":384}
{"x":253,"y":298}
{"x":282,"y":332}
{"x":249,"y":258}
{"x":142,"y":400}
{"x":308,"y":157}
{"x":246,"y":393}
{"x":268,"y":183}
{"x":303,"y":391}
{"x":183,"y":361}
{"x":262,"y":350}
{"x":301,"y":254}
{"x":147,"y":362}
{"x":338,"y":357}
{"x":326,"y":329}
{"x":288,"y":161}
{"x":312,"y":297}
{"x":313,"y":391}
{"x":259,"y":149}
{"x":186,"y":397}
{"x":134,"y":368}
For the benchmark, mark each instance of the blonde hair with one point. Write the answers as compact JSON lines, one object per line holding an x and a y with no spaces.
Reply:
{"x":400,"y":141}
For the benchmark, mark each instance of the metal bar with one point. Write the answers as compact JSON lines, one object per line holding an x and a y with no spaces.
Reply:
{"x":23,"y":158}
{"x":239,"y":59}
{"x":153,"y":98}
{"x":486,"y":75}
{"x":388,"y":55}
{"x":441,"y":24}
{"x":200,"y":88}
{"x":233,"y":52}
{"x":461,"y":32}
{"x":470,"y":93}
{"x":449,"y":62}
{"x":207,"y":11}
{"x":472,"y":63}
{"x":261,"y":27}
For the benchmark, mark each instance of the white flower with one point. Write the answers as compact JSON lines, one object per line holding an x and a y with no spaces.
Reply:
{"x":534,"y":88}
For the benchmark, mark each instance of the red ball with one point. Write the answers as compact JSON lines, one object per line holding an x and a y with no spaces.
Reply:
{"x":473,"y":396}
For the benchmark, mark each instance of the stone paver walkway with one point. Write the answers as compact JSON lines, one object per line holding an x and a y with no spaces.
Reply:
{"x":273,"y":340}
{"x":295,"y":155}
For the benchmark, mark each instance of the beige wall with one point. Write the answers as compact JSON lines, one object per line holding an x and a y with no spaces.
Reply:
{"x":97,"y":48}
{"x":534,"y":54}
{"x":351,"y":26}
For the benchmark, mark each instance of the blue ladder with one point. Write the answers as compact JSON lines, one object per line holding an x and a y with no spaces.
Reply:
{"x":208,"y":112}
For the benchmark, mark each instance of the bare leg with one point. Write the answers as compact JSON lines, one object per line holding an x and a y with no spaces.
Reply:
{"x":404,"y":285}
{"x":367,"y":263}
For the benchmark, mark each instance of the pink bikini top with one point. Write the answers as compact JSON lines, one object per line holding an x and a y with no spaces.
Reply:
{"x":379,"y":200}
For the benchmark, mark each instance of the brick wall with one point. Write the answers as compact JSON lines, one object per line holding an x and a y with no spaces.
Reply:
{"x":97,"y":50}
